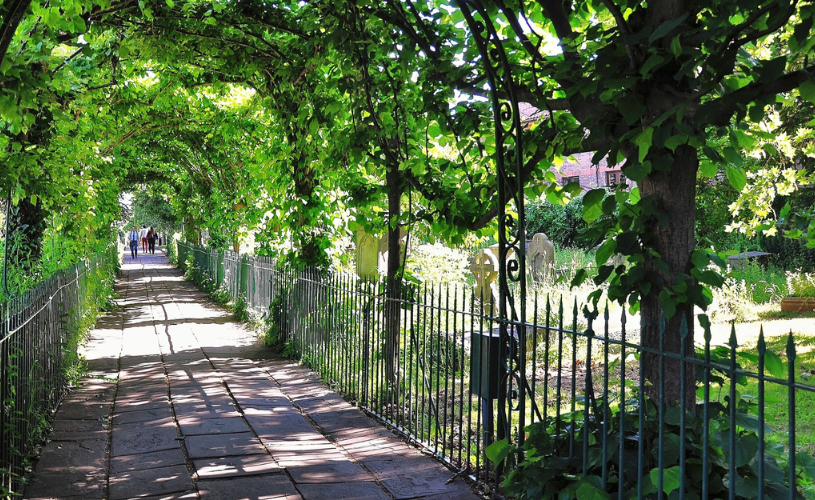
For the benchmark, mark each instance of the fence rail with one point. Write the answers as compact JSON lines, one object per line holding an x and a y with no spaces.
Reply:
{"x":576,"y":400}
{"x":34,"y":341}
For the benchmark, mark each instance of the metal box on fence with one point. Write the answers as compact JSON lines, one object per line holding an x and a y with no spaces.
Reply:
{"x":485,"y":364}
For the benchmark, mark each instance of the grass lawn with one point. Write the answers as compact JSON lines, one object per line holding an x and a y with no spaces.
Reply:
{"x":777,"y":396}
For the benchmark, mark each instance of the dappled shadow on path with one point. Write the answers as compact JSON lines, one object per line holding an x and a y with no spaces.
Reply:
{"x":183,"y":402}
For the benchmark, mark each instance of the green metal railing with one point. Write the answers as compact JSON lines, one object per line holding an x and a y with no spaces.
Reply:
{"x":34,"y":335}
{"x":581,"y":385}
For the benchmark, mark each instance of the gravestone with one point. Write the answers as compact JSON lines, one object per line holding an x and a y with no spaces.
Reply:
{"x":367,"y":255}
{"x":541,"y":258}
{"x":484,"y":267}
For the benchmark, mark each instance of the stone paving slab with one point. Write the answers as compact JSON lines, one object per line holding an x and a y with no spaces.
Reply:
{"x":159,"y":481}
{"x":245,"y":465}
{"x":223,"y":445}
{"x":132,"y":417}
{"x":403,"y":477}
{"x":187,"y":404}
{"x":267,"y":487}
{"x":79,"y":456}
{"x":194,"y":426}
{"x":142,"y":439}
{"x":79,"y":430}
{"x":150,"y":460}
{"x":324,"y":471}
{"x":344,"y":491}
{"x":68,"y":485}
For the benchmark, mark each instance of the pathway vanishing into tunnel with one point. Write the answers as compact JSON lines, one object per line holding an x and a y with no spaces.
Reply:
{"x":183,"y":402}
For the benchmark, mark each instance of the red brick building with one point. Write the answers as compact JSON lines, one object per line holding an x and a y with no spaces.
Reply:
{"x":587,"y":175}
{"x":581,"y":171}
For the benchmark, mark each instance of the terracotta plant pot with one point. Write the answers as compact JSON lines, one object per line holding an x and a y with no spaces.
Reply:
{"x":798,"y":304}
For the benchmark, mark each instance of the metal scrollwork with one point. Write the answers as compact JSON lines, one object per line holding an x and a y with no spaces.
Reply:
{"x":511,"y":233}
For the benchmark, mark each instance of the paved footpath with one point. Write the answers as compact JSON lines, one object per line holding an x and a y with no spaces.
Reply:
{"x":184,"y":403}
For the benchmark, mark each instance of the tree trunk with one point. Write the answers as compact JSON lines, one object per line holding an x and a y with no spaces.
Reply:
{"x":674,"y":192}
{"x":393,"y":280}
{"x":27,"y":224}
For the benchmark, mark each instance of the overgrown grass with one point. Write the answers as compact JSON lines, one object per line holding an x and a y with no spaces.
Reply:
{"x":765,"y":283}
{"x":753,"y":292}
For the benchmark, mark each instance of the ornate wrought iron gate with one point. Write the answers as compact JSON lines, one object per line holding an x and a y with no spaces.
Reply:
{"x":509,"y":161}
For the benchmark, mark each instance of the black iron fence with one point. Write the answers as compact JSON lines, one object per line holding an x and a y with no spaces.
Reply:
{"x":38,"y":335}
{"x":564,"y":406}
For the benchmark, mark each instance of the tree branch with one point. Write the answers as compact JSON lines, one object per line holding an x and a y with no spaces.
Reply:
{"x":721,"y":110}
{"x":554,"y":11}
{"x":622,"y":25}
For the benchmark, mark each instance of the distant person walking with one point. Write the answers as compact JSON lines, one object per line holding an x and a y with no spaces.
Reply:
{"x":143,"y":236}
{"x":151,"y":240}
{"x":133,"y":238}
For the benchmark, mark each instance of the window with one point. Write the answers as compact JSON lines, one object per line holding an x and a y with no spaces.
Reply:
{"x":615,"y":177}
{"x":575,"y":179}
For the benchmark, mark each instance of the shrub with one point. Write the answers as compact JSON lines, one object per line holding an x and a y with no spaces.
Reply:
{"x":712,"y":214}
{"x":789,"y":254}
{"x":562,"y":224}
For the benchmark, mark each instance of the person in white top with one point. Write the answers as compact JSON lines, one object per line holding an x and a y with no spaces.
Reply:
{"x":133,"y":238}
{"x":143,"y":235}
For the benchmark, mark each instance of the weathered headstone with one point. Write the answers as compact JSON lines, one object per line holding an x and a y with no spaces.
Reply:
{"x":367,"y":255}
{"x":484,"y":267}
{"x":541,"y":257}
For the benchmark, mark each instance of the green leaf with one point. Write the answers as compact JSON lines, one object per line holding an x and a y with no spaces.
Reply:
{"x":773,"y":364}
{"x":591,"y":204}
{"x":807,"y":90}
{"x":498,"y":451}
{"x":631,"y":108}
{"x":665,"y":28}
{"x":579,"y":278}
{"x":594,"y":197}
{"x":770,"y":149}
{"x":737,"y":177}
{"x":79,"y":25}
{"x":605,"y":251}
{"x":637,"y":171}
{"x":592,"y":212}
{"x":756,"y":113}
{"x":670,"y":478}
{"x":746,"y":449}
{"x":708,"y":169}
{"x":644,"y":142}
{"x":732,"y":156}
{"x":635,"y":196}
{"x":651,"y":63}
{"x":806,"y":463}
{"x":587,"y":491}
{"x":676,"y":46}
{"x":675,"y":141}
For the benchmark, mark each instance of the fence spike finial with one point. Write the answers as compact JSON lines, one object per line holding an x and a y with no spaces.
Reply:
{"x":733,"y":342}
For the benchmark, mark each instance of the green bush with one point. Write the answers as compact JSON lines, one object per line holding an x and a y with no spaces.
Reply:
{"x":789,"y":254}
{"x":713,"y":214}
{"x":562,"y":224}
